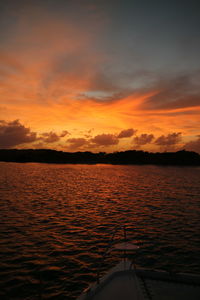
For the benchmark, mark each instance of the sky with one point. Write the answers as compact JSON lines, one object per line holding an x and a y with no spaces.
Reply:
{"x":96,"y":75}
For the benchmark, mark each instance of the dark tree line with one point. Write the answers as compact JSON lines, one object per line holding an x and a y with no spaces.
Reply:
{"x":124,"y":157}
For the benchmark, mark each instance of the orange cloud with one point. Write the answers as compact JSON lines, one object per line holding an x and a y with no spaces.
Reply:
{"x":46,"y":58}
{"x":113,"y":117}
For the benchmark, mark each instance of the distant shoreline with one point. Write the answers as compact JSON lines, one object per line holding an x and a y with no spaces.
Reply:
{"x":129,"y":157}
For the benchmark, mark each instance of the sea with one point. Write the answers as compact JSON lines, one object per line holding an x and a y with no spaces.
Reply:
{"x":56,"y":222}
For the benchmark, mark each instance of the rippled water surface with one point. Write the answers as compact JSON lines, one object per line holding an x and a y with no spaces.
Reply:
{"x":56,"y":221}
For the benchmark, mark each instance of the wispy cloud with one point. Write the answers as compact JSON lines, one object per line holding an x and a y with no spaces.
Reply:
{"x":178,"y":92}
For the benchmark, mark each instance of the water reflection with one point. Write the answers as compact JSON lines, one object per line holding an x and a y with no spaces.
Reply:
{"x":56,"y":220}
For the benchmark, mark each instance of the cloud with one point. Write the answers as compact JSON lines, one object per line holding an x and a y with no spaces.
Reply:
{"x":92,"y":143}
{"x":54,"y":56}
{"x":64,"y":133}
{"x":126,"y":133}
{"x":105,"y":139}
{"x":76,"y":143}
{"x":143,"y":139}
{"x":14,"y":133}
{"x":168,"y":140}
{"x":52,"y":137}
{"x":180,"y":92}
{"x":193,"y":145}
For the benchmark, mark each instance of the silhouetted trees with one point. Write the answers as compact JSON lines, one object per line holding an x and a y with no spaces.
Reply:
{"x":181,"y":158}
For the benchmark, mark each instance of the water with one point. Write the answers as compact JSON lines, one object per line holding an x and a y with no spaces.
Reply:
{"x":56,"y":221}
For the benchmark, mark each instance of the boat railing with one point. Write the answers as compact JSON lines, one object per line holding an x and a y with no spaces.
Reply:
{"x":106,"y":252}
{"x":110,"y":247}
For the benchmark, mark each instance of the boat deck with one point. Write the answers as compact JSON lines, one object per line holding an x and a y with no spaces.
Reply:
{"x":120,"y":287}
{"x":123,"y":283}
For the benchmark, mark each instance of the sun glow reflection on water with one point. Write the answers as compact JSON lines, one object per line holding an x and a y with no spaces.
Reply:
{"x":56,"y":221}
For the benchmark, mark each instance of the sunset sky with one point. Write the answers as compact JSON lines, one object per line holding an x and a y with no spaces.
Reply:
{"x":100,"y":75}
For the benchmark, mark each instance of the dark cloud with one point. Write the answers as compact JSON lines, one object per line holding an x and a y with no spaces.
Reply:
{"x":143,"y":139}
{"x":14,"y":133}
{"x":126,"y":133}
{"x":50,"y":137}
{"x":89,"y":143}
{"x":105,"y":139}
{"x":193,"y":145}
{"x":179,"y":92}
{"x":168,"y":140}
{"x":77,"y":143}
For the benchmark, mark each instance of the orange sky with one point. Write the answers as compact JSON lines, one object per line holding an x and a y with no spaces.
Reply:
{"x":61,"y":81}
